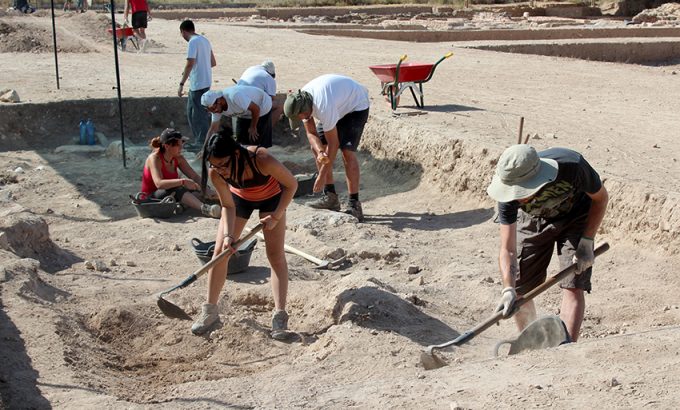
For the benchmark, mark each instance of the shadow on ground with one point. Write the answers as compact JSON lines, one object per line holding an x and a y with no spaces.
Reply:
{"x":375,"y":308}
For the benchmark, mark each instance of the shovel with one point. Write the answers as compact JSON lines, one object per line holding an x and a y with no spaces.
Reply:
{"x":542,"y":333}
{"x":320,"y":263}
{"x":173,"y":311}
{"x":431,"y":361}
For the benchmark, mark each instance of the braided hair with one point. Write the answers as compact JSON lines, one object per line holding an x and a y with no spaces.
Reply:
{"x":222,"y":145}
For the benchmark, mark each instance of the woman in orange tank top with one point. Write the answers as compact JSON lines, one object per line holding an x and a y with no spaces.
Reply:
{"x":160,"y":177}
{"x":247,"y":178}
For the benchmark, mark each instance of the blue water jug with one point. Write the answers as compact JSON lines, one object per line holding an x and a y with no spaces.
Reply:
{"x":89,"y":125}
{"x":83,"y":132}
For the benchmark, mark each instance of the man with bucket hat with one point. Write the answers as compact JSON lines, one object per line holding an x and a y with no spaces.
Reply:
{"x":334,"y":110}
{"x":547,"y":198}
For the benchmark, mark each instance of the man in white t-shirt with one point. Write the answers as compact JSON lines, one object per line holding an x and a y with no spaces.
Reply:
{"x":252,"y":108}
{"x":198,"y":69}
{"x":334,"y":110}
{"x":263,"y":76}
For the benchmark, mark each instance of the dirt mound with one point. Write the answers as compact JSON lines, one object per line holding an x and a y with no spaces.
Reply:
{"x":76,"y":33}
{"x":32,"y":287}
{"x":27,"y":236}
{"x":668,"y":13}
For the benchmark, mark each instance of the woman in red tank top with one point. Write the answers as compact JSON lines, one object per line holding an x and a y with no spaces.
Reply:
{"x":160,"y":177}
{"x":247,"y":178}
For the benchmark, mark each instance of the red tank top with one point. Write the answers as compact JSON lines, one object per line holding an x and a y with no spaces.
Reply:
{"x":148,"y":186}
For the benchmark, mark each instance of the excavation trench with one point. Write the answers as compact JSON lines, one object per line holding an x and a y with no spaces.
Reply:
{"x":142,"y":356}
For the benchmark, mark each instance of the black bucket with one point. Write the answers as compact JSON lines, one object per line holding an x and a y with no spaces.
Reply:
{"x":239,"y":262}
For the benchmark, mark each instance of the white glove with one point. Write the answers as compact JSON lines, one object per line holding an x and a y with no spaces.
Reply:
{"x":506,"y":305}
{"x":585,"y":255}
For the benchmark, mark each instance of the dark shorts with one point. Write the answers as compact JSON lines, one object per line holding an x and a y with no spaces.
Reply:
{"x":162,"y":193}
{"x":245,"y":208}
{"x":350,"y":127}
{"x":264,"y":129}
{"x":139,"y":19}
{"x":536,"y":240}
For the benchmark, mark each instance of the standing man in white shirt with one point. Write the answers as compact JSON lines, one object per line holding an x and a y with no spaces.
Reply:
{"x":263,"y":76}
{"x":334,"y":111}
{"x":252,"y":108}
{"x":198,"y":69}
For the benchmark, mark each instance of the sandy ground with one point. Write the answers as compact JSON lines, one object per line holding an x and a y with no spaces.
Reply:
{"x":73,"y":337}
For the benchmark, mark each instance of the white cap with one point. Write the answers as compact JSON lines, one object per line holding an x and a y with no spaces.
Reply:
{"x":269,"y":67}
{"x":209,"y":98}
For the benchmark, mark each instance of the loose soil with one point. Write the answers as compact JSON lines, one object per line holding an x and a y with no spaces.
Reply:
{"x":76,"y":337}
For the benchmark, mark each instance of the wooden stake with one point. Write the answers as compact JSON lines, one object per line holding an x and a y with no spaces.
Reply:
{"x":521,"y":128}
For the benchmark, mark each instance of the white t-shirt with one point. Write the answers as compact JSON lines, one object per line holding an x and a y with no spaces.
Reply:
{"x":334,"y":97}
{"x":239,"y":98}
{"x":201,"y":73}
{"x":257,"y":76}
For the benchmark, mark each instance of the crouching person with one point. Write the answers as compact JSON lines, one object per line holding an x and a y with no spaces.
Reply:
{"x":160,"y":177}
{"x":247,"y":178}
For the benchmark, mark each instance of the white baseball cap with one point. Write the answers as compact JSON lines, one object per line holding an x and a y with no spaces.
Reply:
{"x":269,"y":67}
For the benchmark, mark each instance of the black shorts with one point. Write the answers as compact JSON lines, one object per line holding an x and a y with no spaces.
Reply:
{"x":264,"y":129}
{"x":162,"y":193}
{"x":139,"y":19}
{"x":350,"y":127}
{"x":536,"y":241}
{"x":245,"y":208}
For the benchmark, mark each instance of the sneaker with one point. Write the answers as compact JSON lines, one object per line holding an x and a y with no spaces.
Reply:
{"x":279,"y":325}
{"x":329,"y":200}
{"x":142,"y":47}
{"x":213,"y":211}
{"x":209,"y":317}
{"x":354,"y":209}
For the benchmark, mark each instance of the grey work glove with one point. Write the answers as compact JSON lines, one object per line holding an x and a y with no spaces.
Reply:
{"x":507,"y":303}
{"x":585,"y":255}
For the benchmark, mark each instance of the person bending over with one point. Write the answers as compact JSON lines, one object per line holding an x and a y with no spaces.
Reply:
{"x":247,"y":178}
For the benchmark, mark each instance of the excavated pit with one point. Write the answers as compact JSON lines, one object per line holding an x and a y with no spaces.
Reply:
{"x":136,"y":354}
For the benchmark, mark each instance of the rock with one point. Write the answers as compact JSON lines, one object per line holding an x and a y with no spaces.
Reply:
{"x":4,"y":242}
{"x":99,"y":266}
{"x":18,"y":170}
{"x":488,"y":279}
{"x":130,"y":263}
{"x":413,"y":269}
{"x":336,"y":254}
{"x":613,"y":382}
{"x":421,"y":282}
{"x":176,"y":248}
{"x":113,"y":262}
{"x":89,"y":265}
{"x":40,"y":168}
{"x":9,"y":96}
{"x":87,"y":149}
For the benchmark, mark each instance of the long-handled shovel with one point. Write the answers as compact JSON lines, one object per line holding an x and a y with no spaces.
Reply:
{"x":171,"y":310}
{"x":430,"y":361}
{"x":320,"y":263}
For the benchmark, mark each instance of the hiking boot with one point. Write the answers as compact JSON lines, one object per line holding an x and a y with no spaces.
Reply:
{"x":354,"y":209}
{"x":329,"y":200}
{"x":279,"y":325}
{"x":213,"y":211}
{"x":209,"y":317}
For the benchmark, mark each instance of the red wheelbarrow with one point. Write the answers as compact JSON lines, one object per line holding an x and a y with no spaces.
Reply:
{"x":123,"y":34}
{"x":396,"y":78}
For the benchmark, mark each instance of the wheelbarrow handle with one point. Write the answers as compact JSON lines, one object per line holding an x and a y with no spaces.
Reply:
{"x":447,"y":55}
{"x":434,"y":67}
{"x":403,"y":58}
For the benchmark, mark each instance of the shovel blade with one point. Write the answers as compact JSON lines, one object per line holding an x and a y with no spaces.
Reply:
{"x":171,"y":310}
{"x":430,"y":361}
{"x":542,"y":333}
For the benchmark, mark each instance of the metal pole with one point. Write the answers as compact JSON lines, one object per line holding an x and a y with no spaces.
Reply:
{"x":120,"y":101}
{"x":54,"y":41}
